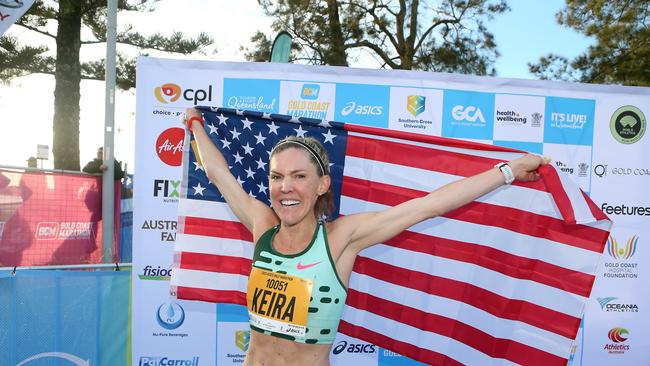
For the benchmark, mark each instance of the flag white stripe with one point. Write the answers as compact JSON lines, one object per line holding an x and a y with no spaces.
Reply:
{"x":450,"y":347}
{"x":581,"y":210}
{"x":511,"y":288}
{"x":210,"y":245}
{"x":497,"y":327}
{"x":549,"y":251}
{"x":206,"y":209}
{"x":209,"y":280}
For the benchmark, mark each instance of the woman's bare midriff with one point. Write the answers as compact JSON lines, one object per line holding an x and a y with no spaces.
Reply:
{"x":271,"y":351}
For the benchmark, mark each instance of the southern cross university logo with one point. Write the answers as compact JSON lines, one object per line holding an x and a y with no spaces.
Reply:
{"x":415,"y":104}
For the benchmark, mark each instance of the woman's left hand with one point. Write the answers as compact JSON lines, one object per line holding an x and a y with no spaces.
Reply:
{"x":525,"y":167}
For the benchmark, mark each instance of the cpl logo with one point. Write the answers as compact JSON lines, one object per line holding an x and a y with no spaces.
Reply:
{"x":469,"y":113}
{"x":353,"y":348}
{"x":617,"y":335}
{"x":167,"y":93}
{"x":170,"y":315}
{"x":364,"y":110}
{"x":620,"y":251}
{"x":169,"y":146}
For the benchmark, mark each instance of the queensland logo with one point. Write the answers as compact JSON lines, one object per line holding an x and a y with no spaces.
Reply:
{"x":242,"y":338}
{"x":169,"y":146}
{"x":257,"y":103}
{"x":170,"y":315}
{"x":609,"y":304}
{"x":536,"y":119}
{"x":170,"y":93}
{"x":344,"y":346}
{"x":467,"y":113}
{"x":415,"y":104}
{"x":583,"y":169}
{"x":361,"y":109}
{"x":627,"y":124}
{"x":167,"y":361}
{"x":310,"y":91}
{"x":158,"y":273}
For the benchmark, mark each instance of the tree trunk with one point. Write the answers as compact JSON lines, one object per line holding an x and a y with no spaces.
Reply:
{"x":336,"y":55}
{"x":67,"y":90}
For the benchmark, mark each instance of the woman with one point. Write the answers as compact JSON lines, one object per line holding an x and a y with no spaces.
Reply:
{"x":301,"y":266}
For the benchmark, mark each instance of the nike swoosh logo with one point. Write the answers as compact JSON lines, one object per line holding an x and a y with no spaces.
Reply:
{"x":300,"y":266}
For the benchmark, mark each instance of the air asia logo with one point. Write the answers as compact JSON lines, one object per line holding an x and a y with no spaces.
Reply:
{"x":353,"y":348}
{"x":170,"y":315}
{"x":467,"y":113}
{"x":602,"y":170}
{"x":149,"y":273}
{"x":618,"y":336}
{"x":167,"y":228}
{"x":242,"y":338}
{"x":610,"y":305}
{"x":415,"y":104}
{"x":168,"y":189}
{"x":170,"y":93}
{"x":627,"y":124}
{"x":361,"y":109}
{"x":625,"y":210}
{"x":169,"y":146}
{"x":622,"y":251}
{"x":166,"y":361}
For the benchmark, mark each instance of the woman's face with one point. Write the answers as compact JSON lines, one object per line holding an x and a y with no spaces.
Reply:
{"x":294,"y":185}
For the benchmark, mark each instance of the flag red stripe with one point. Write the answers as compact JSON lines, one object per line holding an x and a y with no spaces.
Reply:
{"x":403,"y":348}
{"x":215,"y":263}
{"x":451,"y":328}
{"x":208,"y":295}
{"x":217,"y":228}
{"x":454,"y":163}
{"x":552,"y":180}
{"x":513,"y":219}
{"x":497,"y":305}
{"x":499,"y":261}
{"x":595,"y":210}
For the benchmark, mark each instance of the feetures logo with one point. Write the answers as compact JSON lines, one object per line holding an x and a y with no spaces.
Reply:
{"x":415,"y":104}
{"x":169,"y":93}
{"x":158,"y":273}
{"x":169,"y":146}
{"x":618,"y":336}
{"x":627,"y":124}
{"x":242,"y":338}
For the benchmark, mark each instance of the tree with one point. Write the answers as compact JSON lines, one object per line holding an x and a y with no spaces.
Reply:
{"x":621,"y":54}
{"x":71,"y":16}
{"x":446,"y":35}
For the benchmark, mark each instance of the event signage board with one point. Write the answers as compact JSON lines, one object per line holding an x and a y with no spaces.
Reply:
{"x":595,"y":135}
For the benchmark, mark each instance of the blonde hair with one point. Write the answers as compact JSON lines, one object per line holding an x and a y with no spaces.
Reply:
{"x":319,"y":158}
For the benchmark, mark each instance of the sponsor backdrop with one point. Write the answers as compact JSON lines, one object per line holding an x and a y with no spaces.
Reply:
{"x":595,"y":135}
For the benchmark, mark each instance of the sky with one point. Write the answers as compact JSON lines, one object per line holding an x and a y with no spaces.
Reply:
{"x":523,"y":35}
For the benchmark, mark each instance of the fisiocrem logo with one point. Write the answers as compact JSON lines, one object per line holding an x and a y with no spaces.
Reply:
{"x":618,"y":335}
{"x":167,"y":93}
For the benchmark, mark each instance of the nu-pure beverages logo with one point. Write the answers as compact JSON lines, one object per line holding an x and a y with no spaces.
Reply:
{"x":468,"y":114}
{"x":362,"y":104}
{"x":569,"y":121}
{"x":252,"y":94}
{"x":170,"y":93}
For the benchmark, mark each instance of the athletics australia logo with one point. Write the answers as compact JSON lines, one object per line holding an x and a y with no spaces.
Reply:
{"x":617,"y":335}
{"x":621,"y":252}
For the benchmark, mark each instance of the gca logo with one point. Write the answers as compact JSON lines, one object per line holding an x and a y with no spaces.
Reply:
{"x":364,"y":110}
{"x":469,"y":113}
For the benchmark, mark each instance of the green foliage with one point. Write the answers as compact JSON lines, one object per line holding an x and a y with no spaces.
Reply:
{"x":621,"y":53}
{"x":444,"y":35}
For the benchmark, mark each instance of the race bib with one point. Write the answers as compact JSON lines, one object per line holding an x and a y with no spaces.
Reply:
{"x":278,"y":302}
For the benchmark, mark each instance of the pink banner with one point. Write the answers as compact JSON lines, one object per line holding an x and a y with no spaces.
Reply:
{"x":50,"y":218}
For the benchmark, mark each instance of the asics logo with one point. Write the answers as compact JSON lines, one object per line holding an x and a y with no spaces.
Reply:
{"x":301,"y":266}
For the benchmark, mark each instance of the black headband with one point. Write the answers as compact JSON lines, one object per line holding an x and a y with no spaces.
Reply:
{"x":308,"y":148}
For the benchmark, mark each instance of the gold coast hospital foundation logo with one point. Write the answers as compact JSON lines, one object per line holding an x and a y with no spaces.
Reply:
{"x":622,"y":252}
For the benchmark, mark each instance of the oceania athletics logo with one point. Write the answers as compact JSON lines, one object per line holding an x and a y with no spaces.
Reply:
{"x":170,"y":315}
{"x":628,"y":124}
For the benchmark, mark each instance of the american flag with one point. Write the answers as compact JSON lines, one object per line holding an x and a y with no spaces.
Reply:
{"x":500,"y":281}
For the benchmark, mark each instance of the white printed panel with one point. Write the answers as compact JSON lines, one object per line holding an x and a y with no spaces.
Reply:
{"x":232,"y":342}
{"x":307,"y":99}
{"x":573,"y":161}
{"x":351,"y":351}
{"x":518,"y":118}
{"x":416,"y":110}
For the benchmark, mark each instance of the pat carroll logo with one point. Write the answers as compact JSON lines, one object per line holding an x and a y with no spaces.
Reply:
{"x":628,"y":124}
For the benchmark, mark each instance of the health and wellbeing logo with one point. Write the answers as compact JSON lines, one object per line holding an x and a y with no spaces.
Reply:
{"x":252,"y":94}
{"x":170,"y":315}
{"x":627,"y":124}
{"x":569,"y":121}
{"x":170,"y":93}
{"x":468,"y":114}
{"x":415,"y":104}
{"x":362,"y":104}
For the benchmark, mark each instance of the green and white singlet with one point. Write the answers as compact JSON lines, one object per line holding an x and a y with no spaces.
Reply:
{"x":299,"y":297}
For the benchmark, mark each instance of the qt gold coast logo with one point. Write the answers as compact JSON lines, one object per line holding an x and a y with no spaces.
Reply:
{"x":167,"y":93}
{"x":628,"y":124}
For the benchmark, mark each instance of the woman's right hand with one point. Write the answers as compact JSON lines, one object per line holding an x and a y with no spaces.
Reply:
{"x":187,"y":118}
